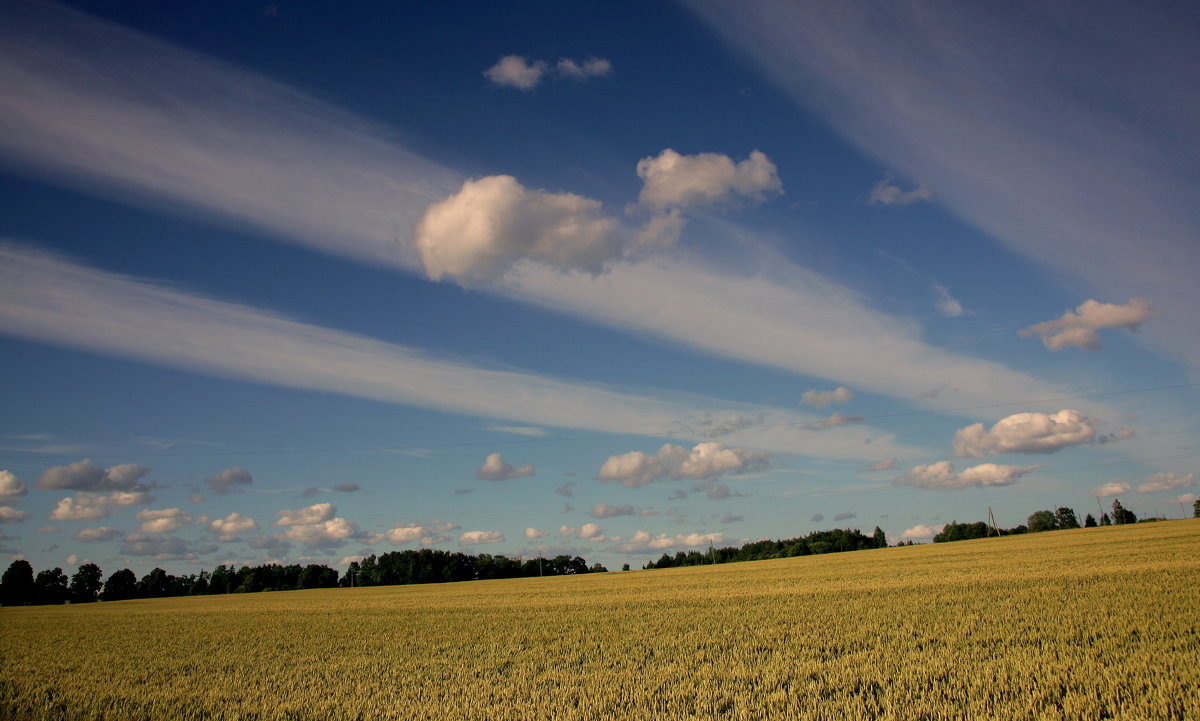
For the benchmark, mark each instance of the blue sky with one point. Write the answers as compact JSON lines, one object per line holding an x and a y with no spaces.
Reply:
{"x":300,"y":283}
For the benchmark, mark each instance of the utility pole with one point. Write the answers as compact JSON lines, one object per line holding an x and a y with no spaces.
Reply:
{"x":992,"y":520}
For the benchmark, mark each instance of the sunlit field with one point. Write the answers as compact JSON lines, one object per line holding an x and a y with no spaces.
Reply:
{"x":1081,"y":624}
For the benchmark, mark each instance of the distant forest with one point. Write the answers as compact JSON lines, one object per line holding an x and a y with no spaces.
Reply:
{"x":20,"y":587}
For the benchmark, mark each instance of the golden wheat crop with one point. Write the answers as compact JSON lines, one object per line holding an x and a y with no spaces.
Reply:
{"x":1082,"y":624}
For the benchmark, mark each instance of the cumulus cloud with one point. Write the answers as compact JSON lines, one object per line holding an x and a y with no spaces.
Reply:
{"x":8,"y":514}
{"x":704,"y":461}
{"x":11,"y":488}
{"x":1185,"y":498}
{"x":1157,"y":482}
{"x":674,"y":180}
{"x":161,"y":548}
{"x":496,"y":469}
{"x":531,"y":533}
{"x":275,"y":544}
{"x":1113,"y":488}
{"x":229,"y":528}
{"x":492,"y":222}
{"x":515,"y":71}
{"x":1025,"y":433}
{"x":603,"y":510}
{"x":886,"y":192}
{"x":822,"y":399}
{"x":943,"y":476}
{"x":229,"y":480}
{"x":845,"y":516}
{"x":643,"y":541}
{"x":590,"y":68}
{"x":87,"y":506}
{"x":566,"y":490}
{"x":1078,"y":328}
{"x":97,"y":533}
{"x":329,"y":533}
{"x":87,"y":476}
{"x":316,"y":513}
{"x":662,"y":230}
{"x":921,"y":532}
{"x":347,"y":487}
{"x":475,"y":538}
{"x":886,"y":464}
{"x":166,"y":520}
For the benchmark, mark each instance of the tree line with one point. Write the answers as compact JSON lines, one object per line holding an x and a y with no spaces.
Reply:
{"x":436,"y":566}
{"x":20,"y":587}
{"x":1044,"y":520}
{"x":837,"y":540}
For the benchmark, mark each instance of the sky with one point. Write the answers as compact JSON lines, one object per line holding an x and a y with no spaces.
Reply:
{"x":300,"y":283}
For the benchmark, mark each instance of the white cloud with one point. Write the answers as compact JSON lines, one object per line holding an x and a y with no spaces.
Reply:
{"x":1112,"y":488}
{"x":921,"y":532}
{"x":8,"y":514}
{"x":705,"y":460}
{"x":11,"y":488}
{"x":1025,"y":433}
{"x":519,"y":430}
{"x":833,"y":421}
{"x":87,"y":476}
{"x":531,"y":533}
{"x":228,"y":529}
{"x":674,"y":180}
{"x":1078,"y":328}
{"x":1158,"y":482}
{"x":662,"y":230}
{"x":590,"y":68}
{"x":428,"y":535}
{"x":87,"y":506}
{"x":161,"y":548}
{"x":947,"y":305}
{"x":603,"y":510}
{"x":495,"y":468}
{"x":886,"y":192}
{"x":515,"y":72}
{"x":229,"y":480}
{"x":886,"y":464}
{"x":1185,"y":498}
{"x":330,"y":533}
{"x":97,"y":533}
{"x":943,"y":476}
{"x":491,"y":223}
{"x":1076,"y":175}
{"x":166,"y":520}
{"x":821,"y":399}
{"x":475,"y":538}
{"x":316,"y":513}
{"x":643,"y":541}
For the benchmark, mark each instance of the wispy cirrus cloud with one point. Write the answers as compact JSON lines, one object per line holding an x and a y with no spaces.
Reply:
{"x":50,"y":299}
{"x":1085,"y":177}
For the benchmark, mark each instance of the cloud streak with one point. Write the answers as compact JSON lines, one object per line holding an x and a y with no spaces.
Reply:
{"x":1093,"y":178}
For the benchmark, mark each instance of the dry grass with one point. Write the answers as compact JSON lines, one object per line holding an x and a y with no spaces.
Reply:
{"x":1086,"y":624}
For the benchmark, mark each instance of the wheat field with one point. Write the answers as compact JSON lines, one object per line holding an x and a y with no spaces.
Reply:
{"x":1082,"y":624}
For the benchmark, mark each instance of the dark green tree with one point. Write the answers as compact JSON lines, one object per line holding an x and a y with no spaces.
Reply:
{"x":120,"y":586}
{"x":16,"y":586}
{"x":1196,"y":508}
{"x":86,"y":583}
{"x":50,"y":587}
{"x":1121,"y":515}
{"x":879,"y":537}
{"x":1042,"y":521}
{"x":624,"y":566}
{"x":1105,"y":520}
{"x":1089,"y":521}
{"x":1065,"y":518}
